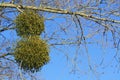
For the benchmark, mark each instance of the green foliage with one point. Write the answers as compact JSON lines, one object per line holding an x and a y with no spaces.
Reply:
{"x":29,"y":23}
{"x":31,"y":53}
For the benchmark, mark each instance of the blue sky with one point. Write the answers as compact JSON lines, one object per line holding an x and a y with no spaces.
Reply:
{"x":59,"y":69}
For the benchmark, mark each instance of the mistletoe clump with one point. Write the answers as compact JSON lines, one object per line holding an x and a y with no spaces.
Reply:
{"x":29,"y":23}
{"x":31,"y":53}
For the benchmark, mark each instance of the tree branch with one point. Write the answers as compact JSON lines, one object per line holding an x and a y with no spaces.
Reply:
{"x":56,"y":10}
{"x":3,"y":55}
{"x":4,"y":29}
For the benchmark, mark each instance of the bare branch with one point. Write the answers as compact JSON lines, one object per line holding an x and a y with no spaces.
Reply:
{"x":3,"y":55}
{"x":56,"y":10}
{"x":4,"y":29}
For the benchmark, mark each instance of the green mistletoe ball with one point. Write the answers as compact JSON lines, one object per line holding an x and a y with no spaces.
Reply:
{"x":29,"y":23}
{"x":31,"y":53}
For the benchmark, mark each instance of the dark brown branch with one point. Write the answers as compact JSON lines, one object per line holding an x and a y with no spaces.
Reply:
{"x":4,"y":29}
{"x":3,"y":55}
